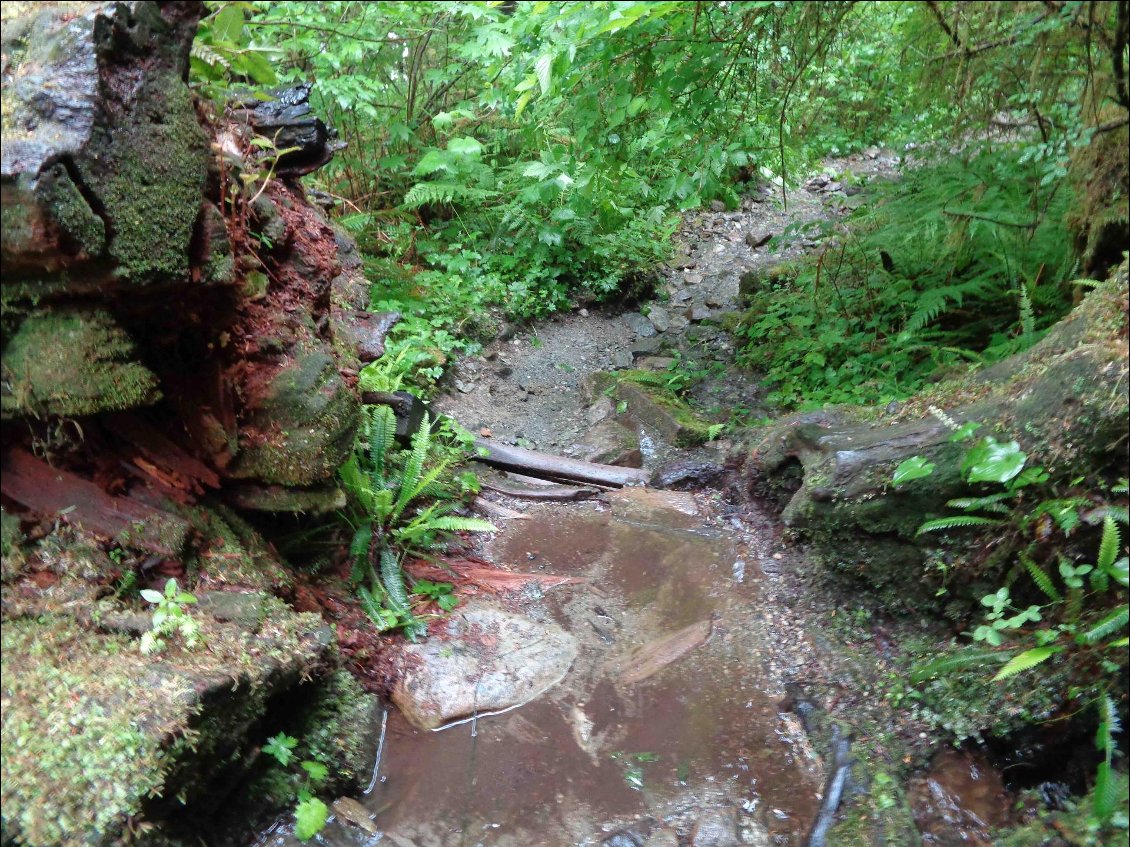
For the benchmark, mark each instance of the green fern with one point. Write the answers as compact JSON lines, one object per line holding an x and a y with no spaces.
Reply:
{"x":449,"y":193}
{"x":955,"y":522}
{"x":1041,"y":578}
{"x":1024,"y":661}
{"x":1107,"y":785}
{"x":968,"y":658}
{"x":1112,"y":623}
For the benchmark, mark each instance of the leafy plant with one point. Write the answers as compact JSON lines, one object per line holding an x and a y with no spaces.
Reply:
{"x":387,"y":490}
{"x":1082,"y":616}
{"x":310,"y":813}
{"x":170,"y":618}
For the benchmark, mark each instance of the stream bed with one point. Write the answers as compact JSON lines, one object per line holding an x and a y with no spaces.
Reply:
{"x":667,"y":718}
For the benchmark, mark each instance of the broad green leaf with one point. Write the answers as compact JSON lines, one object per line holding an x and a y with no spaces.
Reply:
{"x":310,"y":817}
{"x":916,"y":467}
{"x":992,"y":461}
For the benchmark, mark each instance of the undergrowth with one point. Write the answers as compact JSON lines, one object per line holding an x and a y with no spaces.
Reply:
{"x":962,"y":262}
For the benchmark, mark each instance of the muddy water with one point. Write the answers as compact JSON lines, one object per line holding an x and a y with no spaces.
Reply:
{"x":601,"y":750}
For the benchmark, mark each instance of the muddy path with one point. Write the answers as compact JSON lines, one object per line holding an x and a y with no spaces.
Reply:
{"x":694,"y":623}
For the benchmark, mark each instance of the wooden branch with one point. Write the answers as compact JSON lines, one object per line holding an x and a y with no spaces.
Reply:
{"x":556,"y":468}
{"x":49,"y":491}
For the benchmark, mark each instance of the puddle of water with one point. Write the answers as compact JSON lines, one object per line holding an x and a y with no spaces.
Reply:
{"x":597,"y":752}
{"x":959,"y":801}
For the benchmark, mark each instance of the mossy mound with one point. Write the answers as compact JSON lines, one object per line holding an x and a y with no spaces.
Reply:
{"x":644,"y":397}
{"x":303,"y":427}
{"x":73,"y":362}
{"x":94,"y":733}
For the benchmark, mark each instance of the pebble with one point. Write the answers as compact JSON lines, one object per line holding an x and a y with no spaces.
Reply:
{"x":659,"y":318}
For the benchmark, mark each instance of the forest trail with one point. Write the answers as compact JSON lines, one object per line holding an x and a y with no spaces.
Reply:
{"x":697,"y":628}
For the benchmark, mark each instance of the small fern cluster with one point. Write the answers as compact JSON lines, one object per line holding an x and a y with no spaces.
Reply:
{"x":386,"y":487}
{"x":961,"y":261}
{"x":1080,"y":617}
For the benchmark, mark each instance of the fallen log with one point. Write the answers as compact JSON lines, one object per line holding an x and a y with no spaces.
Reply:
{"x":51,"y":491}
{"x":556,"y":468}
{"x":551,"y":492}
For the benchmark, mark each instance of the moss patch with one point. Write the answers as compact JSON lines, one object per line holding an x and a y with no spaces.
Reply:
{"x":70,"y":363}
{"x":93,"y":731}
{"x":303,"y":429}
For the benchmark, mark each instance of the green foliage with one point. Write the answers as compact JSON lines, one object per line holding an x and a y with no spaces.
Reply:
{"x":963,"y":261}
{"x":310,"y":813}
{"x":1074,"y":623}
{"x":388,"y":489}
{"x":224,"y":55}
{"x":170,"y":618}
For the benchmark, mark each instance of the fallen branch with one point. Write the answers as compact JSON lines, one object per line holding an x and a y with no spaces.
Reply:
{"x":556,"y":468}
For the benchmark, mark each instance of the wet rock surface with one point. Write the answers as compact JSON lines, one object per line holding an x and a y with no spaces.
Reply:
{"x":483,"y":660}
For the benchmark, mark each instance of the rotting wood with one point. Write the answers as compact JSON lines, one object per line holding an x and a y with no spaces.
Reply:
{"x":51,"y":491}
{"x":556,"y":468}
{"x":496,"y":510}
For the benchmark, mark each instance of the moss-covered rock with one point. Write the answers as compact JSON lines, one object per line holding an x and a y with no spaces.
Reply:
{"x":94,"y":733}
{"x":1065,"y":400}
{"x":102,"y":161}
{"x":645,"y":399}
{"x":73,"y":362}
{"x":303,"y":426}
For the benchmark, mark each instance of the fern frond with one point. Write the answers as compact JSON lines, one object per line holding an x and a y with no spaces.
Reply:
{"x":1107,"y":787}
{"x":1024,"y":661}
{"x":1112,"y":623}
{"x":429,"y":193}
{"x":421,"y":444}
{"x":455,"y":523}
{"x":971,"y":657}
{"x":208,"y":56}
{"x":1041,"y":578}
{"x":991,"y":503}
{"x":1109,"y":545}
{"x":381,"y":432}
{"x":955,"y":522}
{"x":392,"y":579}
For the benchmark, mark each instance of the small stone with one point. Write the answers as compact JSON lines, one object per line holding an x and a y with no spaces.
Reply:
{"x":678,"y":323}
{"x":622,"y":359}
{"x":682,"y":296}
{"x":663,"y":838}
{"x":697,"y":314}
{"x":715,"y":828}
{"x":834,"y":186}
{"x":584,"y":313}
{"x":640,"y":325}
{"x":659,"y":318}
{"x":485,"y":432}
{"x":645,"y":346}
{"x":714,"y":299}
{"x":508,"y":660}
{"x":656,"y":363}
{"x":757,"y":239}
{"x":717,"y":206}
{"x":692,"y":279}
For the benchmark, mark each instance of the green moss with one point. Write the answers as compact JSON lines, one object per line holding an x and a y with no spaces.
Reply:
{"x":652,"y":403}
{"x":150,"y":177}
{"x":71,"y":211}
{"x":93,"y":731}
{"x":78,"y":758}
{"x":70,"y":363}
{"x":234,"y":553}
{"x":339,"y":729}
{"x":11,"y":557}
{"x":306,"y":423}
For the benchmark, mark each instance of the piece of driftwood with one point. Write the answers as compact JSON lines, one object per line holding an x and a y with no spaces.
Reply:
{"x":646,"y":661}
{"x":50,"y":491}
{"x":289,"y":123}
{"x":490,"y":509}
{"x":556,"y":468}
{"x":838,"y":774}
{"x":546,"y":493}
